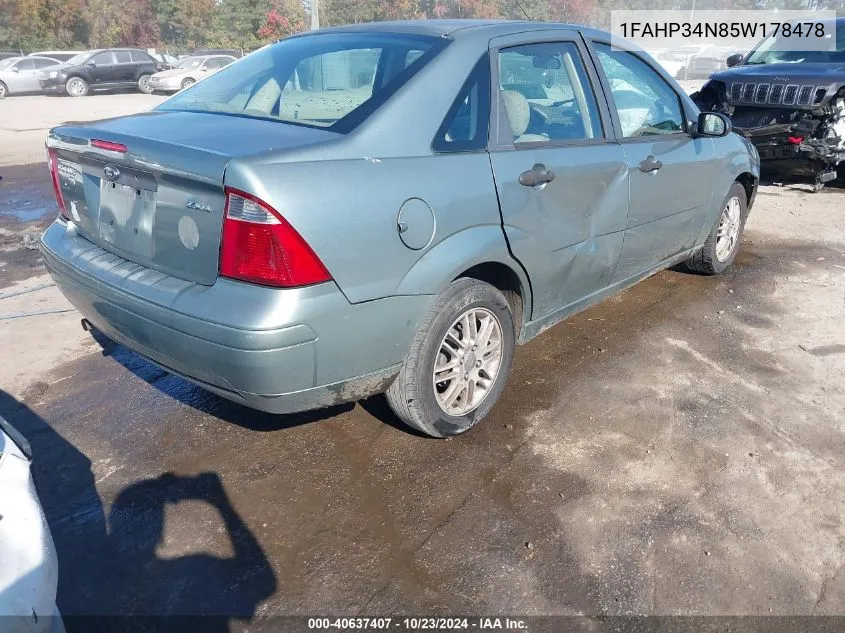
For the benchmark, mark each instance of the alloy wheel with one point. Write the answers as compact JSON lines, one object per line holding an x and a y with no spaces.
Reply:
{"x":76,"y":87}
{"x":468,"y":361}
{"x":727,"y":234}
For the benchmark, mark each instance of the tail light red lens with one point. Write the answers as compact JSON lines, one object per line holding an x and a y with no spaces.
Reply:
{"x":795,"y":140}
{"x":53,"y":162}
{"x":260,"y":247}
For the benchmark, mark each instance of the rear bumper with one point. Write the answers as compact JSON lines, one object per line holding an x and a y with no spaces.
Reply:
{"x":277,"y":350}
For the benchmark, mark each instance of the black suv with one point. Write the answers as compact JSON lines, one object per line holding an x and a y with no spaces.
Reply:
{"x":790,"y":104}
{"x":100,"y":70}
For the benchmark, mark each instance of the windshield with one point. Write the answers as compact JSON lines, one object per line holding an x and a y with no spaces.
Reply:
{"x":190,"y":62}
{"x":79,"y":58}
{"x":767,"y":52}
{"x":8,"y":62}
{"x":329,"y":80}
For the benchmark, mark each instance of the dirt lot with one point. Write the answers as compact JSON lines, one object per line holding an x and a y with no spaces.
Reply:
{"x":679,"y":449}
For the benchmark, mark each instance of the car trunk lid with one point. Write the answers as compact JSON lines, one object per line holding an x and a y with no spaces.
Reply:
{"x":160,"y":203}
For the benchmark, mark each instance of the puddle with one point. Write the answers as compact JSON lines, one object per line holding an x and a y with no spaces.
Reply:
{"x":23,"y":210}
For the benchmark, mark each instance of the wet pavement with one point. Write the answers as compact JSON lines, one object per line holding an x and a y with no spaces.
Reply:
{"x":678,"y":449}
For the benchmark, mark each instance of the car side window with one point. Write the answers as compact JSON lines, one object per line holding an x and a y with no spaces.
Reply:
{"x":43,"y":63}
{"x":646,"y":104}
{"x":25,"y":64}
{"x":138,"y":57}
{"x":123,"y":57}
{"x":465,"y":126}
{"x":546,"y":93}
{"x":103,"y":59}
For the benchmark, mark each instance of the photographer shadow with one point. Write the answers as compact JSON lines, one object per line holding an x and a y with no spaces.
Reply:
{"x":111,"y":576}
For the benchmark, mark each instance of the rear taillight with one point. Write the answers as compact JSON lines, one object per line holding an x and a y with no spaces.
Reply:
{"x":260,"y":247}
{"x":53,"y":162}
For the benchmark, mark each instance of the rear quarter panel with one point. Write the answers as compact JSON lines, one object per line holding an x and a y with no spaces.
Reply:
{"x":347,"y":211}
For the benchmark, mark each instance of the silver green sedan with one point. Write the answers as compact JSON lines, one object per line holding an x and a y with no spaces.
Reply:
{"x":390,"y":207}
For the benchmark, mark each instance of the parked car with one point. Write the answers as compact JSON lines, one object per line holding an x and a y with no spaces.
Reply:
{"x":18,"y":75}
{"x":105,"y":69}
{"x":188,"y":72}
{"x":62,"y":56}
{"x":289,"y":238}
{"x":702,"y":64}
{"x":28,"y":564}
{"x":231,"y":52}
{"x":672,"y":62}
{"x":791,"y":104}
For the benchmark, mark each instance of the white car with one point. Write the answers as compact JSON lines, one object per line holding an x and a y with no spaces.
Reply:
{"x":188,"y":72}
{"x":20,"y":74}
{"x":29,"y":569}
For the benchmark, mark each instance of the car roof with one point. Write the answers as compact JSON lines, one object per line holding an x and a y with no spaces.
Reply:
{"x":457,"y":28}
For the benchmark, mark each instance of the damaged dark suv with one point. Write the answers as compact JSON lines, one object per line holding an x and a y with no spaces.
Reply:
{"x":791,"y":104}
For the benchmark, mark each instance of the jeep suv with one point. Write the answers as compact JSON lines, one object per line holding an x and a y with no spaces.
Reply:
{"x":790,"y":104}
{"x":101,"y":70}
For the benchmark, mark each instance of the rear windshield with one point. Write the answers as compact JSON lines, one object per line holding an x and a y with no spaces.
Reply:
{"x":332,"y":81}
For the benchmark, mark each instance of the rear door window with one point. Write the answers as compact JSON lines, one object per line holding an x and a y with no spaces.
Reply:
{"x":329,"y":81}
{"x":123,"y":57}
{"x":546,"y":93}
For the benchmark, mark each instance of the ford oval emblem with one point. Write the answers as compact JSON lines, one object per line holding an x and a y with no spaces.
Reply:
{"x":111,"y":173}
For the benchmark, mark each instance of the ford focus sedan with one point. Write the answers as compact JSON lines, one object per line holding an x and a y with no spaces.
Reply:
{"x":387,"y":208}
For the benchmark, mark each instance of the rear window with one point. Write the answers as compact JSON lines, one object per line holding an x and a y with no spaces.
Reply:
{"x":332,"y":81}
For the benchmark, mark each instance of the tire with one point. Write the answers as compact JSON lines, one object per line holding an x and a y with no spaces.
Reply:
{"x":3,"y":90}
{"x":187,"y":83}
{"x":76,"y":87}
{"x":144,"y":84}
{"x":414,"y":396}
{"x":713,"y":259}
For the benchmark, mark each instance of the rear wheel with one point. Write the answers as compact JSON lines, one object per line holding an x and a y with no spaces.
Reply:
{"x":458,"y":363}
{"x":76,"y":87}
{"x":144,"y":84}
{"x":3,"y":90}
{"x":722,"y":245}
{"x":187,"y":83}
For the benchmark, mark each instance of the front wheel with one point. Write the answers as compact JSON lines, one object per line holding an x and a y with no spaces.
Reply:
{"x":458,"y":363}
{"x":76,"y":87}
{"x":187,"y":83}
{"x":722,"y":245}
{"x":144,"y":84}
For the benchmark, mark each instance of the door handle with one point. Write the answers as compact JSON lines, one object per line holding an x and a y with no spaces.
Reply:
{"x":537,"y":175}
{"x":650,"y":164}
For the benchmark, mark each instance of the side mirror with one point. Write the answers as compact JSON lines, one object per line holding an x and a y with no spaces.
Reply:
{"x":713,"y":124}
{"x":91,"y":64}
{"x":734,"y":59}
{"x":16,"y":69}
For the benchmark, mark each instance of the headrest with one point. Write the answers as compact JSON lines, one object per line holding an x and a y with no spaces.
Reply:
{"x":519,"y":114}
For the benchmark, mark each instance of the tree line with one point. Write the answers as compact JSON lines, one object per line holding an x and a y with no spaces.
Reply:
{"x":182,"y":25}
